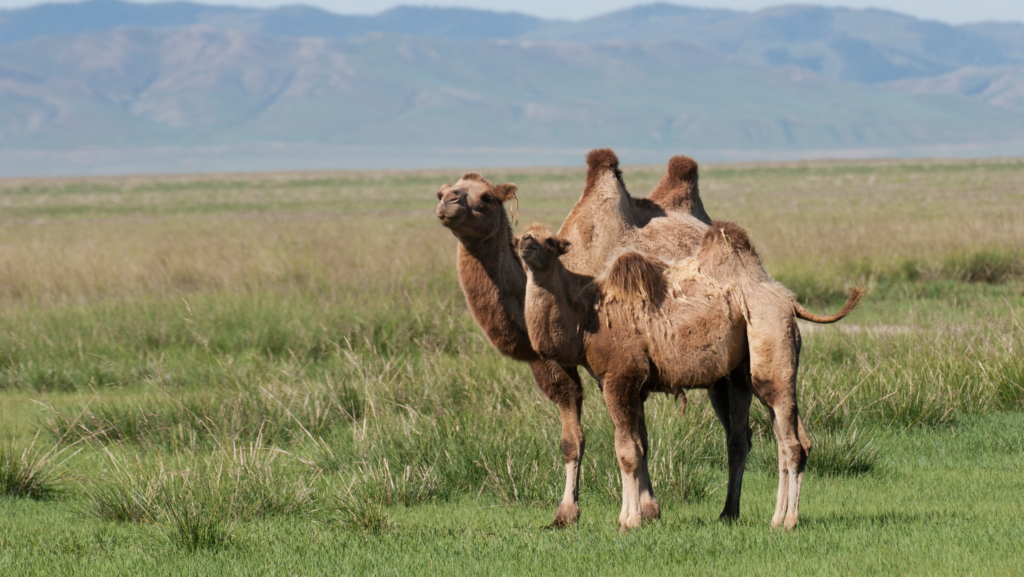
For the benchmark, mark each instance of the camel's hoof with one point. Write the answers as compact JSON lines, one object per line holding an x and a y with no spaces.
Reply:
{"x":567,"y":516}
{"x":630,"y":522}
{"x":790,"y":523}
{"x":728,"y":516}
{"x":650,"y":511}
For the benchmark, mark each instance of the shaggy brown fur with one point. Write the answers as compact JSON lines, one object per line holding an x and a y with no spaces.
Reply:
{"x":669,"y":328}
{"x":604,"y":221}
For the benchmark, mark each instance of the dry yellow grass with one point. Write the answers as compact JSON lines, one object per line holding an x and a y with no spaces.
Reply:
{"x":73,"y":239}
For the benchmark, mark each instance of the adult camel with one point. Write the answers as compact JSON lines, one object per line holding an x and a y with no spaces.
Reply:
{"x":648,"y":326}
{"x":670,"y":224}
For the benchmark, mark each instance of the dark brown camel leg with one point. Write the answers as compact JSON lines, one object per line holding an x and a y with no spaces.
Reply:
{"x":563,"y":386}
{"x":729,"y":405}
{"x":649,"y":507}
{"x":738,"y":436}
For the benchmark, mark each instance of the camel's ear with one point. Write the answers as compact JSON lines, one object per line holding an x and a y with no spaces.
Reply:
{"x":505,"y":191}
{"x":563,"y":246}
{"x":515,"y":243}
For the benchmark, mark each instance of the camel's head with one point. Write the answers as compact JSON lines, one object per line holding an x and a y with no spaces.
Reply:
{"x":539,"y":247}
{"x":473,"y":208}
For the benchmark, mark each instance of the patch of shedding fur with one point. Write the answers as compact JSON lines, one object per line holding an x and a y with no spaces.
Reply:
{"x":688,"y":270}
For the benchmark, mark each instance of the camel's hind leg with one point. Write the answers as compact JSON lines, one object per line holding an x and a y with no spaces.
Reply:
{"x":563,"y":386}
{"x":622,"y":397}
{"x":649,"y":507}
{"x":774,"y":354}
{"x":730,"y":398}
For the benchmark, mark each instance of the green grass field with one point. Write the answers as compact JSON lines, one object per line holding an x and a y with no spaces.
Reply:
{"x":278,"y":374}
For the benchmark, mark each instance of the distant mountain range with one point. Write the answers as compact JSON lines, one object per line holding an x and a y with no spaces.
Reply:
{"x":111,"y":86}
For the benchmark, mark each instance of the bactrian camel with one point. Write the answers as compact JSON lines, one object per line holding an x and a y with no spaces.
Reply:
{"x":606,"y":219}
{"x":646,"y":326}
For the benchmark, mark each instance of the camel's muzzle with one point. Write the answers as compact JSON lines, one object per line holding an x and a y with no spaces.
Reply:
{"x":451,"y":215}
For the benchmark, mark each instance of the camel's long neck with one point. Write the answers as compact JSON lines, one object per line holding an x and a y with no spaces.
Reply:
{"x":495,"y":286}
{"x":551,"y":316}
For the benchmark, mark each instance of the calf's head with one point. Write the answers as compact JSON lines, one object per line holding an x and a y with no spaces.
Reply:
{"x":540,"y":248}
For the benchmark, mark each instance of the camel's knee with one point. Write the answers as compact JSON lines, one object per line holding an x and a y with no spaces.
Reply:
{"x":572,"y":448}
{"x":629,"y":461}
{"x":561,"y":385}
{"x":793,"y":458}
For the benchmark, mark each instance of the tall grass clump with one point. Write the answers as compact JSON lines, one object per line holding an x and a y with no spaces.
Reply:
{"x":990,"y":265}
{"x":33,"y":472}
{"x":362,"y":509}
{"x":196,"y":499}
{"x":844,"y":453}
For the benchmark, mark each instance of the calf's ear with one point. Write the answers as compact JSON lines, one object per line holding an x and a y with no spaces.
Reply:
{"x":505,"y":191}
{"x":515,"y":243}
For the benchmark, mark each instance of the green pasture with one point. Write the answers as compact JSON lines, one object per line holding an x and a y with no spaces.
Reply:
{"x":276,"y":373}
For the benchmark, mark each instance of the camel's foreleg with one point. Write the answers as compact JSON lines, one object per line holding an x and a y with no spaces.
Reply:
{"x":563,"y":386}
{"x":649,"y":507}
{"x":622,"y":398}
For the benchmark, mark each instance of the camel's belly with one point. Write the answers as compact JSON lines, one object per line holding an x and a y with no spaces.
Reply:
{"x":698,"y":354}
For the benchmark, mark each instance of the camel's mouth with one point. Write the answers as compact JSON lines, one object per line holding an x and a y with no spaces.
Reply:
{"x":451,"y":221}
{"x":529,"y":251}
{"x":450,"y":218}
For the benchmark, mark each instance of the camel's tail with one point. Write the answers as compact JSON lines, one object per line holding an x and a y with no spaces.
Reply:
{"x":856,"y":295}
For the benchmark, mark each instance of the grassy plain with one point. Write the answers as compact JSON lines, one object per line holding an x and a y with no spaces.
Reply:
{"x":277,"y":373}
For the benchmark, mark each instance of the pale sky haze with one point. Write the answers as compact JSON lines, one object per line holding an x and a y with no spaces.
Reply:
{"x":950,"y":11}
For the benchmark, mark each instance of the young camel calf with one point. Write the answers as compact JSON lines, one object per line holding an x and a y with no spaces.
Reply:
{"x":646,"y":326}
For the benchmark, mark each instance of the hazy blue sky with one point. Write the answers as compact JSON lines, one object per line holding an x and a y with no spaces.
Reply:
{"x":952,"y":11}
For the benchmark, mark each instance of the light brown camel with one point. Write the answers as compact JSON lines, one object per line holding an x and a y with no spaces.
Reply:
{"x":669,"y":223}
{"x":646,"y":326}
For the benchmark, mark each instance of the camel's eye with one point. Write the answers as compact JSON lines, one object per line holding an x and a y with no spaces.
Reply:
{"x":551,"y":243}
{"x":488,"y":198}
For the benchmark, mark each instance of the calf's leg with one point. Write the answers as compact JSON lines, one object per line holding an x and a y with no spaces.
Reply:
{"x":563,"y":386}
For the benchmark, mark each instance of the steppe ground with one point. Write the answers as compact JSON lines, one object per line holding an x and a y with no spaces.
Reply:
{"x":277,"y":373}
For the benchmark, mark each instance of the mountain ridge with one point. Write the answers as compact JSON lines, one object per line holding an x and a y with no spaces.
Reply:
{"x":785,"y":90}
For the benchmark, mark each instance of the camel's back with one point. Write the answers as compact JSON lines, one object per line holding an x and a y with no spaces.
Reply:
{"x":674,"y":236}
{"x":728,"y":255}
